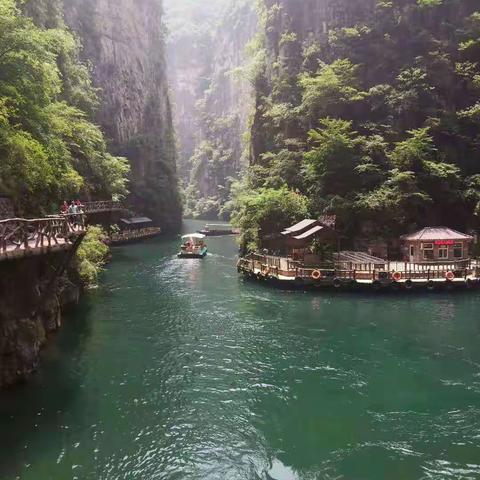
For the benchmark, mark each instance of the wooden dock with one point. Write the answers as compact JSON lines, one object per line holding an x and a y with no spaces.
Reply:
{"x":130,"y":236}
{"x":389,"y":275}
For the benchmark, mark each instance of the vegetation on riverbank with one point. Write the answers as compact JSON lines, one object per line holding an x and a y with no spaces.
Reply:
{"x":376,"y":122}
{"x":50,"y":148}
{"x":92,"y":255}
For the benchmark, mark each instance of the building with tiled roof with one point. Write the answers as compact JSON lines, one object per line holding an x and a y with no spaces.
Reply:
{"x":436,"y":244}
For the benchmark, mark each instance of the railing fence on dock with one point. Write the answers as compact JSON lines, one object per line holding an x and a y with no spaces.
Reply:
{"x":286,"y":268}
{"x":131,"y":235}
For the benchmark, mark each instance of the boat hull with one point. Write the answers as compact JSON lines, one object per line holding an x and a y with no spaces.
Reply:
{"x":187,"y":255}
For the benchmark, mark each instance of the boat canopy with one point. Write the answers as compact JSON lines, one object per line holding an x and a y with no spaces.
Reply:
{"x":197,"y":236}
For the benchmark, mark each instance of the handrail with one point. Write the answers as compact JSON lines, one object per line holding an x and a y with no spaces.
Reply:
{"x":30,"y":234}
{"x":102,"y":206}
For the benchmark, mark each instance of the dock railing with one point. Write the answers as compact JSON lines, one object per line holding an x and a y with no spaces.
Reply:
{"x":131,"y":235}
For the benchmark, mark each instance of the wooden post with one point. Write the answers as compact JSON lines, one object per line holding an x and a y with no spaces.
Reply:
{"x":25,"y":238}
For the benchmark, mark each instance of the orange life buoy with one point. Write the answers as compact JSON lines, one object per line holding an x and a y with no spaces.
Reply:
{"x":316,"y":275}
{"x":450,"y":276}
{"x":397,"y":276}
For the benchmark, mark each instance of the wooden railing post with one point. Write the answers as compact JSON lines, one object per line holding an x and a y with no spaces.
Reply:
{"x":25,"y":235}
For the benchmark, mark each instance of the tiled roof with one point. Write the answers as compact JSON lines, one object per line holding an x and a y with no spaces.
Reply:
{"x":309,"y":233}
{"x":299,"y":227}
{"x":436,"y":233}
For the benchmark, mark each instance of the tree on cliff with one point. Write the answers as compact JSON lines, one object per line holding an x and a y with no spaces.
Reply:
{"x":391,"y":97}
{"x":49,"y":149}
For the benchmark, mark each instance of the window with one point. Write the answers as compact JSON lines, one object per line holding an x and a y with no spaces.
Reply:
{"x":458,"y":250}
{"x":443,"y":252}
{"x":427,"y":251}
{"x":412,"y":251}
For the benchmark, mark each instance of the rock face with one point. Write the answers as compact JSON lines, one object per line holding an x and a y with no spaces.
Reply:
{"x":124,"y":42}
{"x":30,"y":309}
{"x":213,"y":99}
{"x":291,"y":27}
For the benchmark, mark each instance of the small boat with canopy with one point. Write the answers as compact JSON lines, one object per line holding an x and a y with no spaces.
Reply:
{"x":193,"y":246}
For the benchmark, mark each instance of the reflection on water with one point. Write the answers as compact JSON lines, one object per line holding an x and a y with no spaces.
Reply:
{"x":178,"y":369}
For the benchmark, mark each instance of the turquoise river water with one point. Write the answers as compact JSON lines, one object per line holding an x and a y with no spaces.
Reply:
{"x":177,"y":369}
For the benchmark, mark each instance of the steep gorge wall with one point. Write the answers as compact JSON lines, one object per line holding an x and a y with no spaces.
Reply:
{"x":31,"y":303}
{"x":290,"y":28}
{"x":124,"y":42}
{"x":213,"y":101}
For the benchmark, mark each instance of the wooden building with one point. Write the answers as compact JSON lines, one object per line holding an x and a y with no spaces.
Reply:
{"x":436,"y":244}
{"x":135,"y":223}
{"x":309,"y":241}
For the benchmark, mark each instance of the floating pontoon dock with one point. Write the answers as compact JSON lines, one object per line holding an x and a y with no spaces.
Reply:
{"x":356,"y":269}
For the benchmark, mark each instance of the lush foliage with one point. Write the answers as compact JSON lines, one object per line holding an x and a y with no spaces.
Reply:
{"x":260,"y":213}
{"x":380,"y":123}
{"x":49,"y":149}
{"x":92,"y":255}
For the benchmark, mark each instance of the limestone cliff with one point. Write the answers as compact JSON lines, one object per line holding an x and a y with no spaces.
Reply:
{"x":33,"y":295}
{"x":124,"y":42}
{"x":213,"y":99}
{"x":292,"y":29}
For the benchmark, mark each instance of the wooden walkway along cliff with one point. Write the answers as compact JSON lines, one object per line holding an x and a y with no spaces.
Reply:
{"x":21,"y":237}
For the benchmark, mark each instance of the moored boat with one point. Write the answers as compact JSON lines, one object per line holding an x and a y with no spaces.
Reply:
{"x":193,"y":246}
{"x":218,"y":230}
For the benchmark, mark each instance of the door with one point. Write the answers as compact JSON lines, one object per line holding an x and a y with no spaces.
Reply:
{"x":412,"y":253}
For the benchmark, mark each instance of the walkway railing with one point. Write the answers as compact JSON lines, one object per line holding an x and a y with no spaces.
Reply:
{"x":102,"y":206}
{"x":20,"y":236}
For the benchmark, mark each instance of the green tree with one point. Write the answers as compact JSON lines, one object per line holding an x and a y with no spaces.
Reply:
{"x":265,"y":212}
{"x":49,"y":150}
{"x":330,"y":163}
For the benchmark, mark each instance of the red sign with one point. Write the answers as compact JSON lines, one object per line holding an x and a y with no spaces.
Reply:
{"x":444,"y":242}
